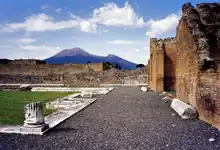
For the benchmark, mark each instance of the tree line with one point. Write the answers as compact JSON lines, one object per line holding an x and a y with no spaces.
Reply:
{"x":117,"y":66}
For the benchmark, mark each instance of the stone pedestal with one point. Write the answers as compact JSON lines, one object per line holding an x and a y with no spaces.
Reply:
{"x":34,"y":118}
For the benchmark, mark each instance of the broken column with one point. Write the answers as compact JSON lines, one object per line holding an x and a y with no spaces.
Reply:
{"x":184,"y":110}
{"x":34,"y":117}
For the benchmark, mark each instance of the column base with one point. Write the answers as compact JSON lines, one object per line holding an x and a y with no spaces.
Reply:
{"x":34,"y":128}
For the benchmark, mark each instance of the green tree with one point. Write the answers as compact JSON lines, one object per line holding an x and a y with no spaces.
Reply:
{"x":117,"y":66}
{"x":140,"y":66}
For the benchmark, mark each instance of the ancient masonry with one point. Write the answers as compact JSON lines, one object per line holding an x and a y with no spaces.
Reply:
{"x":190,"y":62}
{"x":163,"y":55}
{"x":31,"y":71}
{"x":37,"y":71}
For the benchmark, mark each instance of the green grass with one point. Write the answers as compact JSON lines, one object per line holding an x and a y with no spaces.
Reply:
{"x":171,"y":92}
{"x":12,"y":104}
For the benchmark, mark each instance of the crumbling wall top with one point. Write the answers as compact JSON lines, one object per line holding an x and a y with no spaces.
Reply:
{"x":154,"y":42}
{"x":204,"y":25}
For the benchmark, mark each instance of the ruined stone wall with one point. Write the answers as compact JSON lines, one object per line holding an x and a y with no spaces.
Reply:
{"x":45,"y":69}
{"x":112,"y":76}
{"x":156,"y":67}
{"x":31,"y":71}
{"x":85,"y":79}
{"x":91,"y":74}
{"x":170,"y":51}
{"x":162,"y":64}
{"x":96,"y":67}
{"x":208,"y":97}
{"x":198,"y":75}
{"x":186,"y":71}
{"x":149,"y":72}
{"x":31,"y":79}
{"x":22,"y":61}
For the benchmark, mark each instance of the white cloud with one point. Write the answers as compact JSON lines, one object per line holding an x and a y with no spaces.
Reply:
{"x":88,"y":26}
{"x":16,"y":42}
{"x":26,"y":51}
{"x":44,"y":7}
{"x":32,"y":51}
{"x":137,"y":50}
{"x":41,"y":48}
{"x":165,"y":25}
{"x":26,"y":40}
{"x":112,"y":15}
{"x":105,"y":30}
{"x":122,"y":42}
{"x":58,"y":10}
{"x":37,"y":47}
{"x":7,"y":46}
{"x":43,"y":22}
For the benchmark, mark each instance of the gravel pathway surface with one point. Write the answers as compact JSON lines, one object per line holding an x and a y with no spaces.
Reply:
{"x":125,"y":118}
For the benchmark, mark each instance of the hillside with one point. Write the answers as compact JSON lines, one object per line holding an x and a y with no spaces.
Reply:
{"x":77,"y":55}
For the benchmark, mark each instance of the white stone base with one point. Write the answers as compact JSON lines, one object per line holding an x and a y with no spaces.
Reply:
{"x":184,"y":110}
{"x":34,"y":129}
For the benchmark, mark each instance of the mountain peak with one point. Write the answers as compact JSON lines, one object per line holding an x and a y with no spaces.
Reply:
{"x":111,"y":55}
{"x":79,"y":56}
{"x":72,"y":52}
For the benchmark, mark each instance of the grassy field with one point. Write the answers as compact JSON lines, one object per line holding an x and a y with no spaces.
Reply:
{"x":12,"y":104}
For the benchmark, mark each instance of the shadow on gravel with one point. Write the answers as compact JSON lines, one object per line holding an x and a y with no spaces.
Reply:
{"x":61,"y":130}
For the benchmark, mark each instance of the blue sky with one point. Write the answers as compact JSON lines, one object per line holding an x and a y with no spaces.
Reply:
{"x":41,"y":28}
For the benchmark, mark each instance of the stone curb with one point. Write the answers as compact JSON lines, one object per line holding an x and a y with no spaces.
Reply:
{"x":52,"y":120}
{"x":122,"y":85}
{"x":57,"y":117}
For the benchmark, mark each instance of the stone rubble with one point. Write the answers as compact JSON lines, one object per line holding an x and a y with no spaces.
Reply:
{"x":184,"y":110}
{"x":144,"y":89}
{"x":211,"y":140}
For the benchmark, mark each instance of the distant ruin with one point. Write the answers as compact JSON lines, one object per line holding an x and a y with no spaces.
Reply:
{"x":162,"y":64}
{"x":190,"y":64}
{"x":31,"y":71}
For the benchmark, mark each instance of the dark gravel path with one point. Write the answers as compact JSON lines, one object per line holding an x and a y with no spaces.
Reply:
{"x":124,"y":119}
